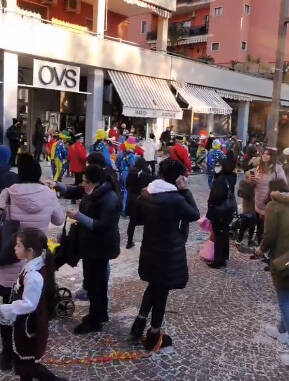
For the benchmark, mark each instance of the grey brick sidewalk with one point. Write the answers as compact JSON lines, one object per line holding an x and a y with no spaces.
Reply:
{"x":217,"y":322}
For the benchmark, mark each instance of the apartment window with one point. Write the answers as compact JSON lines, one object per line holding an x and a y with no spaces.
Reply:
{"x":215,"y":46}
{"x":247,"y":9}
{"x":144,"y":27}
{"x":219,"y":11}
{"x":244,"y":45}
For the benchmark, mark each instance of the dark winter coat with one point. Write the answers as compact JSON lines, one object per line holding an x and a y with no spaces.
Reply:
{"x":136,"y":181}
{"x":218,"y":195}
{"x":104,"y":207}
{"x":163,"y":255}
{"x":38,"y":136}
{"x":13,"y":134}
{"x":7,"y":177}
{"x":276,"y":233}
{"x":246,"y":191}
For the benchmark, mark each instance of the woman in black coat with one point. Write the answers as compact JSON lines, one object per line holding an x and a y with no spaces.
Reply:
{"x":138,"y":178}
{"x":220,"y":211}
{"x":98,"y":241}
{"x":165,"y":212}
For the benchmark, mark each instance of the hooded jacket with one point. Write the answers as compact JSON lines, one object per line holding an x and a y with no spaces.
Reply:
{"x":276,"y":232}
{"x":161,"y":208}
{"x":34,"y":205}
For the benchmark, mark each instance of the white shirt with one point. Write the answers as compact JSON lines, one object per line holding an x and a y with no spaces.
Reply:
{"x":33,"y":285}
{"x":150,"y":148}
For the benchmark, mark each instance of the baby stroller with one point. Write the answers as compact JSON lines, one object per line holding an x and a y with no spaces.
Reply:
{"x":64,"y":305}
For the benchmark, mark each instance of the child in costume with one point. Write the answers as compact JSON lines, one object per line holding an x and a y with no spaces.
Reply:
{"x":61,"y":155}
{"x":101,"y":146}
{"x":31,"y":306}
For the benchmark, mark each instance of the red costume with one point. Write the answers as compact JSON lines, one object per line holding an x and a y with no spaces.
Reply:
{"x":77,"y":157}
{"x":179,"y":153}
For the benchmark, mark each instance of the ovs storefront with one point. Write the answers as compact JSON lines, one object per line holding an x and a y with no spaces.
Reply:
{"x":51,"y":91}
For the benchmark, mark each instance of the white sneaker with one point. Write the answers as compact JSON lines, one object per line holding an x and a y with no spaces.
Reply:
{"x":273,"y":331}
{"x":285,"y":358}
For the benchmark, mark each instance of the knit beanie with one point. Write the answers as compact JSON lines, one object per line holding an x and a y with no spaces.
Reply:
{"x":29,"y":170}
{"x":5,"y":154}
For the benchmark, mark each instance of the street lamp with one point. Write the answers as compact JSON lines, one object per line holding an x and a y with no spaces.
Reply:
{"x":273,"y":127}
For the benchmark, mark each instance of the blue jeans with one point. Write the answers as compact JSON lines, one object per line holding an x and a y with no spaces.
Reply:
{"x":283,"y":301}
{"x":123,"y":190}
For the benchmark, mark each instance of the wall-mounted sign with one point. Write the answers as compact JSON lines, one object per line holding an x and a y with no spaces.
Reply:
{"x":149,"y":113}
{"x":56,"y":76}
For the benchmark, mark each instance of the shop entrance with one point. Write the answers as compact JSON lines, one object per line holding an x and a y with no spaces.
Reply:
{"x":57,"y":110}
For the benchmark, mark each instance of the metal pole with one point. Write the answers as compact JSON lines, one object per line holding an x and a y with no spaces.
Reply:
{"x":273,"y":128}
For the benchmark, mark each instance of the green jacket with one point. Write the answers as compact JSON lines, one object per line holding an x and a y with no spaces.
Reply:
{"x":276,"y":237}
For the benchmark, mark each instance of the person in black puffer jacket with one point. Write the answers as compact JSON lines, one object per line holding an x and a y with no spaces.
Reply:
{"x":98,"y":241}
{"x":225,"y":179}
{"x":165,"y":211}
{"x":138,"y":178}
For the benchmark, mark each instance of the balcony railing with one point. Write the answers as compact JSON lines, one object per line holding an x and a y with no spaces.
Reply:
{"x":181,"y":32}
{"x":191,"y":2}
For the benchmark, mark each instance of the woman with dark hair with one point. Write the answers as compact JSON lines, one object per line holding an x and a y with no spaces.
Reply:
{"x":267,"y":171}
{"x":221,"y":208}
{"x":98,"y":241}
{"x":164,"y":210}
{"x":33,"y":205}
{"x":138,"y":178}
{"x":31,"y":306}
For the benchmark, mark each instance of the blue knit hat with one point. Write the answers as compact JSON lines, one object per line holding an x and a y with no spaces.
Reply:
{"x":5,"y":154}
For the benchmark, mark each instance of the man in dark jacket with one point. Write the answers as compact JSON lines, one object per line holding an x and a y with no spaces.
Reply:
{"x":38,"y":139}
{"x":98,"y":241}
{"x":13,"y":134}
{"x":162,"y":209}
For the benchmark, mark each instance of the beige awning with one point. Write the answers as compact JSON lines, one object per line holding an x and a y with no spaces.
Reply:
{"x":155,"y":9}
{"x":145,"y":97}
{"x":202,"y":100}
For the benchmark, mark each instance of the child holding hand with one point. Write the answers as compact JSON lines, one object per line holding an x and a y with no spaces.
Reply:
{"x":31,"y":305}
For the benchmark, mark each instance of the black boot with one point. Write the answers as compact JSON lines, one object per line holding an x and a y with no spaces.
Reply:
{"x":5,"y":363}
{"x":156,"y":341}
{"x":130,"y":245}
{"x":87,"y":325}
{"x":138,"y":328}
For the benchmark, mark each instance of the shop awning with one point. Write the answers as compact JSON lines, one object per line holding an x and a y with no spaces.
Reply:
{"x":202,"y":100}
{"x":235,"y":96}
{"x":153,"y":8}
{"x":145,"y":97}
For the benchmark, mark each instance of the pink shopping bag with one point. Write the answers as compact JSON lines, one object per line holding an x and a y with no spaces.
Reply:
{"x":205,"y":224}
{"x":207,"y":252}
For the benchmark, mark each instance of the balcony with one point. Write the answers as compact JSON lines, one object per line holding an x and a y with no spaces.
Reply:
{"x":187,"y":6}
{"x":179,"y":35}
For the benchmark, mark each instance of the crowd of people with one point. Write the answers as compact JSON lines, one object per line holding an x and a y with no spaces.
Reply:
{"x":118,"y":177}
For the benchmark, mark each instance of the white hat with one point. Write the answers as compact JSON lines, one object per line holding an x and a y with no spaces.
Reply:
{"x":286,"y":151}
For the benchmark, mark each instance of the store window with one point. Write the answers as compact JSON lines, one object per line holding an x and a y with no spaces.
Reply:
{"x":244,"y":45}
{"x":219,"y":11}
{"x":215,"y":46}
{"x":247,"y":9}
{"x":187,"y":24}
{"x":144,"y":27}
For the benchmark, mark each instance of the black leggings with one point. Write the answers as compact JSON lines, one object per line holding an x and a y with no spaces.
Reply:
{"x":130,"y":230}
{"x":260,"y":228}
{"x":247,"y":224}
{"x":28,"y":370}
{"x":6,"y":330}
{"x":155,"y":299}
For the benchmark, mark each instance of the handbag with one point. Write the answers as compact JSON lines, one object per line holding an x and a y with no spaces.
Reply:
{"x":207,"y":252}
{"x":8,"y":232}
{"x":280,"y":266}
{"x":67,"y":252}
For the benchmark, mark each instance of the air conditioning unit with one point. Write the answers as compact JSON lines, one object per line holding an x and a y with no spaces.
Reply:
{"x":49,"y":2}
{"x":73,"y":6}
{"x":193,"y":14}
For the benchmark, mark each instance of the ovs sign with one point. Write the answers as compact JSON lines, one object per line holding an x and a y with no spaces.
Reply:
{"x":55,"y":76}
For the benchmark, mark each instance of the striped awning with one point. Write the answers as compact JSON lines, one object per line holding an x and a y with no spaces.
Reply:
{"x":155,"y":9}
{"x":145,"y":97}
{"x":202,"y":100}
{"x":235,"y":96}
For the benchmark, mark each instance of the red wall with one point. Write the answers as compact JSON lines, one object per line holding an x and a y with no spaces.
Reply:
{"x":134,"y":28}
{"x":117,"y":24}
